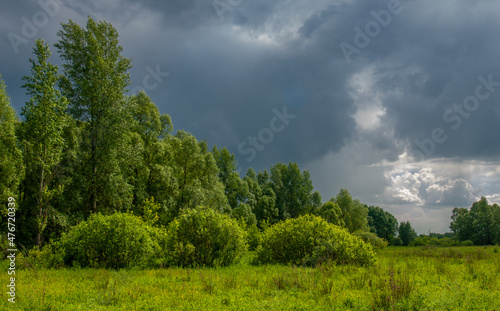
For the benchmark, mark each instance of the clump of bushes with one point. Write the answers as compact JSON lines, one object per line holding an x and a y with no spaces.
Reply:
{"x":311,"y":240}
{"x":47,"y":257}
{"x":372,"y":239}
{"x":116,"y":241}
{"x":397,"y":242}
{"x":204,"y":237}
{"x":253,"y":237}
{"x":466,"y":243}
{"x":434,"y":241}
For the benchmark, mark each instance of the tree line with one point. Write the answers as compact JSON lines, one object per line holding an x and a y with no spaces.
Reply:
{"x":85,"y":147}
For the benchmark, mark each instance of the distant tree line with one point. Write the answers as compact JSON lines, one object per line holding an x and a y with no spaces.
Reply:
{"x":478,"y":225}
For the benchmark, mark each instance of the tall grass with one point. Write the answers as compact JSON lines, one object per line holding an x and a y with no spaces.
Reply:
{"x":462,"y":278}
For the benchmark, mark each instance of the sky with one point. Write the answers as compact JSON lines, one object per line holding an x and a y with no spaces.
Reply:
{"x":397,"y":101}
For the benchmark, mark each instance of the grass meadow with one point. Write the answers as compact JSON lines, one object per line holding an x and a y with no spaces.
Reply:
{"x":404,"y":278}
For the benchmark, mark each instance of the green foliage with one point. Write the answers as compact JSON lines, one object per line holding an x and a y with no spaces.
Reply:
{"x":261,"y":198}
{"x":381,"y":222}
{"x":480,"y":224}
{"x":435,"y":239}
{"x":354,"y":213}
{"x":235,"y":189}
{"x":294,"y":191}
{"x":150,"y":211}
{"x":11,"y":164}
{"x":495,"y":223}
{"x":253,"y":237}
{"x":149,"y":171}
{"x":311,"y":240}
{"x":461,"y":223}
{"x":95,"y":80}
{"x":332,"y":213}
{"x":47,"y":257}
{"x":394,"y":288}
{"x":402,"y":279}
{"x":406,"y":233}
{"x":4,"y":245}
{"x":204,"y":237}
{"x":466,"y":243}
{"x":116,"y":241}
{"x":397,"y":242}
{"x":372,"y":239}
{"x":42,"y":137}
{"x":194,"y":176}
{"x":244,"y":212}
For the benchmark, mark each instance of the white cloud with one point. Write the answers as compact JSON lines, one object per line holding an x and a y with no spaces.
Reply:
{"x":425,"y":188}
{"x":494,"y":198}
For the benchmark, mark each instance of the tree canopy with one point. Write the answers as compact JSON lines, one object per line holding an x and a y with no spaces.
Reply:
{"x":11,"y":165}
{"x":479,"y":224}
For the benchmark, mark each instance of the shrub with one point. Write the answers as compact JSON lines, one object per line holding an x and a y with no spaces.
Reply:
{"x":204,"y":237}
{"x":426,"y":240}
{"x":50,"y":256}
{"x":466,"y":243}
{"x":4,"y":245}
{"x":310,"y":240}
{"x":397,"y":242}
{"x":372,"y":239}
{"x":253,"y":237}
{"x":116,"y":241}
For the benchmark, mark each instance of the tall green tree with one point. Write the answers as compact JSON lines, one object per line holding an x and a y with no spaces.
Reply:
{"x":383,"y":223}
{"x":254,"y":189}
{"x":406,"y":233}
{"x":480,"y":223}
{"x":332,"y":213}
{"x":294,"y":191}
{"x":95,"y":80}
{"x":261,"y":197}
{"x":235,"y":188}
{"x":495,"y":223}
{"x":42,"y":134}
{"x":148,"y":170}
{"x":354,"y":213}
{"x":11,"y":164}
{"x":195,"y":179}
{"x":461,"y":223}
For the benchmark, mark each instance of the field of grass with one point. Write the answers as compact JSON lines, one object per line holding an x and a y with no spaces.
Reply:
{"x":405,"y":278}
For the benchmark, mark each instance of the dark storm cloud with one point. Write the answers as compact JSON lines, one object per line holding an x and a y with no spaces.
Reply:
{"x":436,"y":64}
{"x":228,"y":72}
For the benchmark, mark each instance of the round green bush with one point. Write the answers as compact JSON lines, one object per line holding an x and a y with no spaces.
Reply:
{"x":397,"y":242}
{"x":311,"y":240}
{"x":204,"y":237}
{"x":116,"y":241}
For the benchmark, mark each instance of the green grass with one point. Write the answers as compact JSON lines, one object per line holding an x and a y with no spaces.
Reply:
{"x":419,"y":278}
